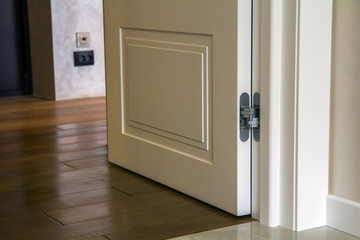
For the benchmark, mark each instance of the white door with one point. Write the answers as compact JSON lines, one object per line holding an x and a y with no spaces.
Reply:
{"x":175,"y":70}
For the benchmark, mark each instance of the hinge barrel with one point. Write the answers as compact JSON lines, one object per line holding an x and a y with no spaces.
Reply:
{"x":250,"y":117}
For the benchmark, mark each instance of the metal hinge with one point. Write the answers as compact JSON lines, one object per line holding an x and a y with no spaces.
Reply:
{"x":249,"y":117}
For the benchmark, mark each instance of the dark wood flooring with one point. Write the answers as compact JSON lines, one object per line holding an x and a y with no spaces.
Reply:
{"x":56,"y":182}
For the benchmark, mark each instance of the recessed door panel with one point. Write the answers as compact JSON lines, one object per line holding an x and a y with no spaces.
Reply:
{"x":166,"y":90}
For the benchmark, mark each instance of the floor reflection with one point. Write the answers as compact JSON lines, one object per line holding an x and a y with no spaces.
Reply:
{"x":256,"y":231}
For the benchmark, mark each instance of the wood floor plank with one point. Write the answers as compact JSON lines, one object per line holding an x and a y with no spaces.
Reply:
{"x":12,"y":171}
{"x":31,"y":103}
{"x":12,"y":226}
{"x":32,"y":155}
{"x":138,"y":189}
{"x":96,"y":238}
{"x":9,"y":102}
{"x":51,"y":132}
{"x":118,"y":207}
{"x":70,"y":200}
{"x":61,"y":145}
{"x":46,"y":121}
{"x":51,"y":113}
{"x":79,"y":125}
{"x":50,"y":190}
{"x":94,"y":152}
{"x":30,"y":166}
{"x":25,"y":135}
{"x":48,"y":132}
{"x":51,"y":116}
{"x":82,"y":145}
{"x":49,"y":184}
{"x":123,"y":222}
{"x":54,"y":181}
{"x":88,"y":162}
{"x":81,"y":138}
{"x":81,"y":131}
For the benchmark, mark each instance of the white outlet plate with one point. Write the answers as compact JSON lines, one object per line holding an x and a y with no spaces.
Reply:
{"x":83,"y":39}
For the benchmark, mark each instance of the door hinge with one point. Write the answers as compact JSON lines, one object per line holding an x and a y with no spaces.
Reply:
{"x":249,"y":117}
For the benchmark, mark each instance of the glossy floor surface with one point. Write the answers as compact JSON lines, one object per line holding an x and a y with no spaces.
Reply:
{"x":56,"y":182}
{"x":256,"y":231}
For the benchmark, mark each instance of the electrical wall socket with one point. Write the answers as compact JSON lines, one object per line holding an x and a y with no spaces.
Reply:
{"x":83,"y":39}
{"x":83,"y":58}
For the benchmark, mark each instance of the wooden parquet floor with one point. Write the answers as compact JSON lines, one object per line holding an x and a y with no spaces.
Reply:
{"x":56,"y":182}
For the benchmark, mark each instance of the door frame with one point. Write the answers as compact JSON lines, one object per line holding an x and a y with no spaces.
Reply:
{"x":26,"y":47}
{"x":295,"y":37}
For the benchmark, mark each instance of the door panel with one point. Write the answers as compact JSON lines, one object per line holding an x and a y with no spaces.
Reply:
{"x":175,"y":71}
{"x":158,"y":72}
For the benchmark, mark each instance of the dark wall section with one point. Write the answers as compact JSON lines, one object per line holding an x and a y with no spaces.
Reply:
{"x":15,"y":64}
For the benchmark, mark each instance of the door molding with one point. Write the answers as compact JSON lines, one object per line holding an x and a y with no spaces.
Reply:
{"x":294,"y":152}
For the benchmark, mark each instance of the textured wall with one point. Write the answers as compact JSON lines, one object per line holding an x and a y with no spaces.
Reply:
{"x":41,"y":48}
{"x":345,"y":127}
{"x":69,"y":17}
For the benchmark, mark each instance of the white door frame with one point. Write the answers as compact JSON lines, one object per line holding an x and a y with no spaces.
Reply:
{"x":295,"y":77}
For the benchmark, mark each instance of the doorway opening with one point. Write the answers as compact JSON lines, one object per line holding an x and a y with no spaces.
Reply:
{"x":15,"y":62}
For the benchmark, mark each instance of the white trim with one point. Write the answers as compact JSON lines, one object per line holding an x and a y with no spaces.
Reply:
{"x":271,"y":50}
{"x":243,"y":85}
{"x":343,"y":215}
{"x":313,"y":112}
{"x":295,"y":88}
{"x":256,"y":87}
{"x":288,"y":170}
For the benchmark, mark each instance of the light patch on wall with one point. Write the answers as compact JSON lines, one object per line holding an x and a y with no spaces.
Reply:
{"x":69,"y":17}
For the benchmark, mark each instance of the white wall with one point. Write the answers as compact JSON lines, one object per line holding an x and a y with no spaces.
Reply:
{"x":345,"y":128}
{"x":69,"y":17}
{"x":344,"y":201}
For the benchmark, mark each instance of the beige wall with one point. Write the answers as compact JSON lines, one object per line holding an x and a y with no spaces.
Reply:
{"x":345,"y":96}
{"x":41,"y":48}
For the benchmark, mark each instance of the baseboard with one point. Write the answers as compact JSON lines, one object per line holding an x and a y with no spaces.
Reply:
{"x":343,"y":215}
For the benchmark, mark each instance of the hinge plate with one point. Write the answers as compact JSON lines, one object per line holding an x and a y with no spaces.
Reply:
{"x":249,"y":117}
{"x":256,"y":104}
